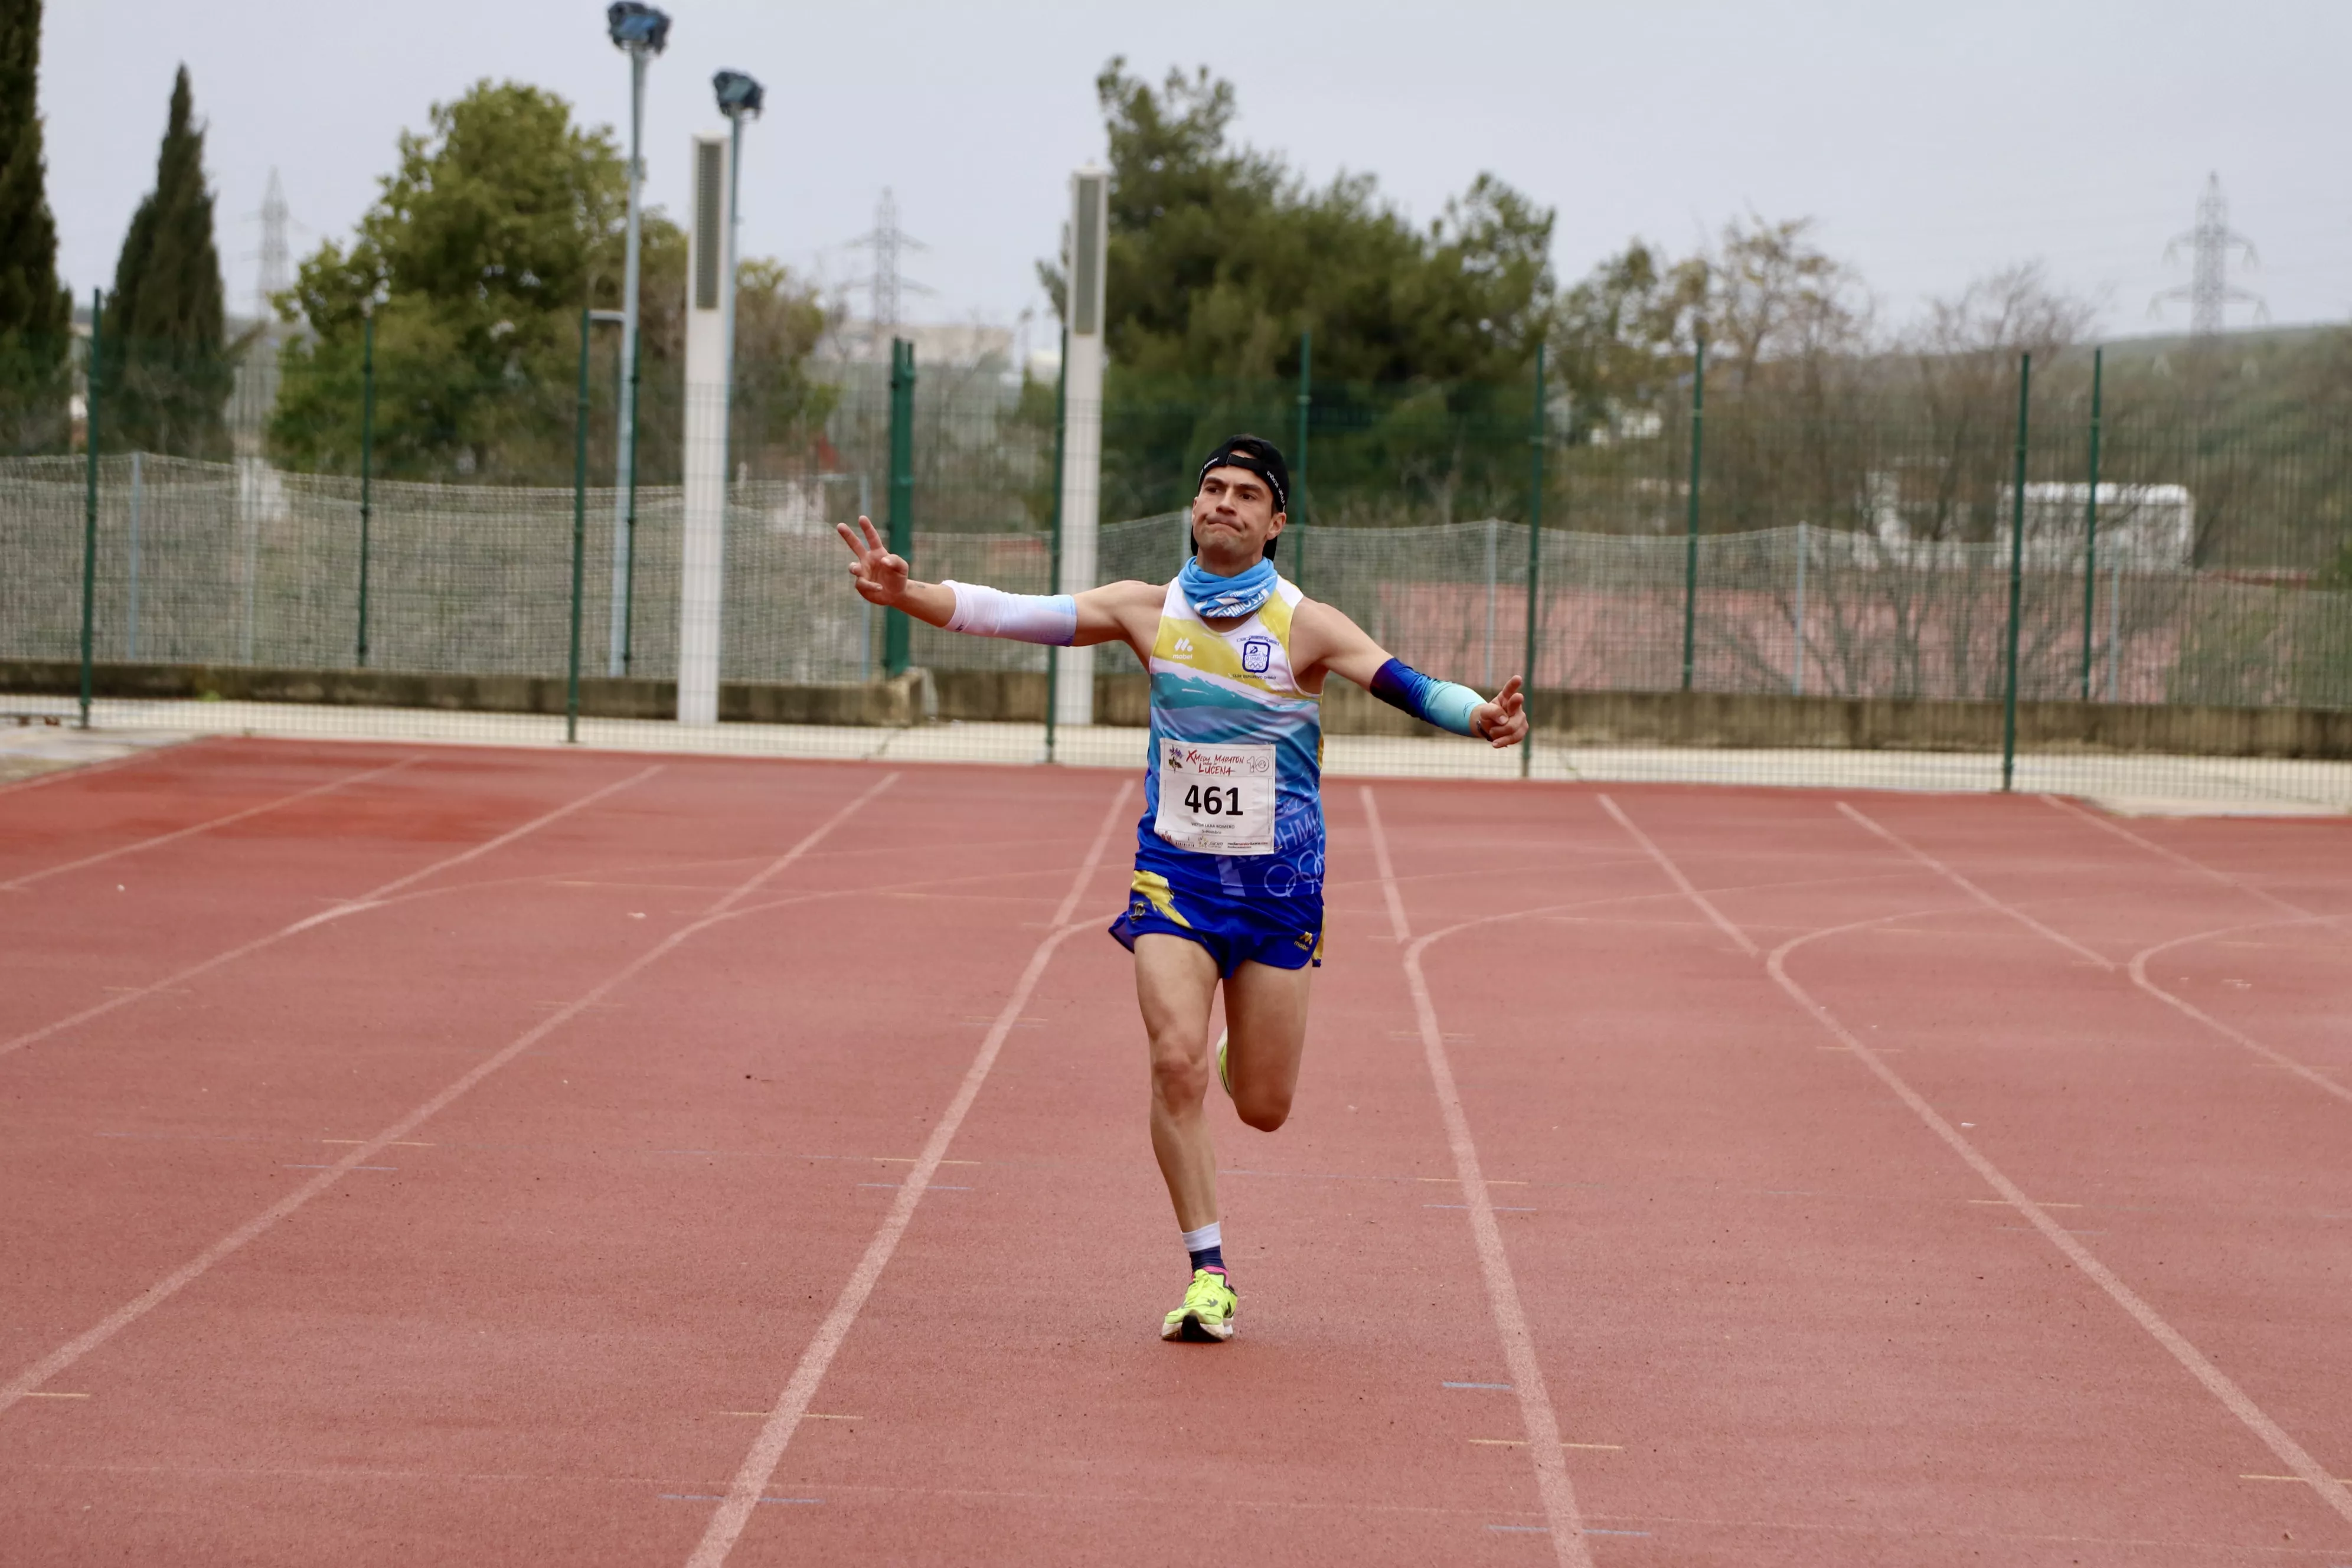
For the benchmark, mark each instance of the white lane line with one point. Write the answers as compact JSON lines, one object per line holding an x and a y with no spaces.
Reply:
{"x":1493,"y":1263}
{"x":2139,"y":965}
{"x":84,"y":770}
{"x":1674,"y":874}
{"x":767,"y":1451}
{"x":2215,"y":1381}
{"x":188,"y":1273}
{"x":1979,"y":894}
{"x":161,"y":839}
{"x":350,"y":906}
{"x":2226,"y":879}
{"x":2309,"y":1075}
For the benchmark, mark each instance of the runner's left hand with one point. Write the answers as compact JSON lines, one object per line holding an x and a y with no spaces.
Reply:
{"x":1504,"y":721}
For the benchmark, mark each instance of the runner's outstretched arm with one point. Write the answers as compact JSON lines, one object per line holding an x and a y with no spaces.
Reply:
{"x":1344,"y":649}
{"x":1102,"y":614}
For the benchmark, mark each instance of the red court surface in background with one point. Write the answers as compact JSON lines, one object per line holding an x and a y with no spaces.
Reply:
{"x":411,"y":1156}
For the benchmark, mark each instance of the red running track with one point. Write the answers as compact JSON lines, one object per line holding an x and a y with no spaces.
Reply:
{"x":416,"y":1156}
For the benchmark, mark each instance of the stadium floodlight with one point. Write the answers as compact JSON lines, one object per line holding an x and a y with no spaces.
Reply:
{"x":740,"y":96}
{"x":638,"y":28}
{"x":641,"y":32}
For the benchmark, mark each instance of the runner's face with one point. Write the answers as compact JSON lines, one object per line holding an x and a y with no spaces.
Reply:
{"x":1233,"y":517}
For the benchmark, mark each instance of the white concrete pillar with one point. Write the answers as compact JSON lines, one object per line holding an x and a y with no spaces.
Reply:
{"x":1082,"y":411}
{"x":703,"y":536}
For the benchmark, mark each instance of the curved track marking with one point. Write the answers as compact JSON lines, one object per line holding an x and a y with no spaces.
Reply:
{"x":1674,"y":874}
{"x":2138,"y":966}
{"x":2310,"y":1075}
{"x":180,"y":1279}
{"x":349,"y":906}
{"x":2217,"y":1383}
{"x":1990,"y":902}
{"x":161,"y":839}
{"x":767,"y":1451}
{"x":1493,"y":1263}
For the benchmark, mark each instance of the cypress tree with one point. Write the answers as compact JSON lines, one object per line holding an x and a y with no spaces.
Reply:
{"x":36,"y":314}
{"x":172,"y":379}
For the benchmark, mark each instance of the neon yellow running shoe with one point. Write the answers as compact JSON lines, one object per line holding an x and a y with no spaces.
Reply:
{"x":1207,"y":1312}
{"x":1224,"y":1073}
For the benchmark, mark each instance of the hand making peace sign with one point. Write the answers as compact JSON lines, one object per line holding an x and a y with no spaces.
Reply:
{"x":881,"y":576}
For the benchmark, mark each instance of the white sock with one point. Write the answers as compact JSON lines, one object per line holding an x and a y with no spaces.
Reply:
{"x":1210,"y":1234}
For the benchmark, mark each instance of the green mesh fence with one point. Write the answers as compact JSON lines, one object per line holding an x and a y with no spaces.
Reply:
{"x":1841,"y":615}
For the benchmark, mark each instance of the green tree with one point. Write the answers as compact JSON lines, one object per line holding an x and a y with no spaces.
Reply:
{"x":1622,"y":335}
{"x":169,"y":369}
{"x":480,"y":250}
{"x":36,"y":314}
{"x":1220,"y":257}
{"x":496,"y":227}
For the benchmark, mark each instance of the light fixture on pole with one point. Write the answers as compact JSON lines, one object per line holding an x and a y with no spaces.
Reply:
{"x":641,"y":32}
{"x":739,"y":96}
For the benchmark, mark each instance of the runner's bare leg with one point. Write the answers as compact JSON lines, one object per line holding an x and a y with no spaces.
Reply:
{"x":1266,"y":1011}
{"x":1175,"y":981}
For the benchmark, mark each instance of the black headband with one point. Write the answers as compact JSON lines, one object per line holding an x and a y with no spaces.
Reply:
{"x":1257,"y":456}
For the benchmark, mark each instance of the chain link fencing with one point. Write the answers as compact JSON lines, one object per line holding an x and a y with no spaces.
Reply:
{"x":1743,"y":596}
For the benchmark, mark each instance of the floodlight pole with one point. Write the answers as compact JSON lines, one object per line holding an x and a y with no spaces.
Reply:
{"x":727,"y":302}
{"x":625,"y":496}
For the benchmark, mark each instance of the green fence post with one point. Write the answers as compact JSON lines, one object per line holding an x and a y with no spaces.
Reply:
{"x":1690,"y":526}
{"x":629,"y":527}
{"x":897,"y":631}
{"x":579,"y":537}
{"x":2016,"y":577}
{"x":367,"y":469}
{"x":2091,"y":526}
{"x":1298,"y":463}
{"x":1053,"y":580}
{"x":89,"y":509}
{"x":1536,"y":432}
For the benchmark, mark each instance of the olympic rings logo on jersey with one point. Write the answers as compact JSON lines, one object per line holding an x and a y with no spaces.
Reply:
{"x":1257,"y":655}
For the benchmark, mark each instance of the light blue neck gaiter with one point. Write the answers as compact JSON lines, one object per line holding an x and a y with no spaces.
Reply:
{"x":1215,"y":598}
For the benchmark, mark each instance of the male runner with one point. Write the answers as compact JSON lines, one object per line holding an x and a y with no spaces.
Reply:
{"x":1228,"y":881}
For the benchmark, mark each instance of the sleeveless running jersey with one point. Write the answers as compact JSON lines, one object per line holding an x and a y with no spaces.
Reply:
{"x":1221,"y":702}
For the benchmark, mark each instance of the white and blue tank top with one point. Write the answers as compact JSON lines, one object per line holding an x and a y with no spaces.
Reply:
{"x":1233,"y":817}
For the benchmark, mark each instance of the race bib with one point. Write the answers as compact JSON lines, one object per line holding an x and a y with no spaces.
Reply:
{"x":1216,"y":800}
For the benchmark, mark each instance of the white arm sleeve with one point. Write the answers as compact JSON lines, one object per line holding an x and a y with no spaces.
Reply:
{"x":1051,"y":619}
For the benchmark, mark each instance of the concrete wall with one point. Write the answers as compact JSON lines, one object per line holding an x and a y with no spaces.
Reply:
{"x":1580,"y":718}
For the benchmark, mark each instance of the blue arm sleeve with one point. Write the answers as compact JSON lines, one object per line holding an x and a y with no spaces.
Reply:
{"x":1440,"y":703}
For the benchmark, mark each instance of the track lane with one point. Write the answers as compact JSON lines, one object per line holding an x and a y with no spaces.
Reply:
{"x":585,"y":1272}
{"x":2158,"y":1150}
{"x":1012,"y":1401}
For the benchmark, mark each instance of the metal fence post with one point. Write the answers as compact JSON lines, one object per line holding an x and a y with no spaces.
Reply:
{"x":1494,"y":531}
{"x":89,"y":510}
{"x":1298,"y":462}
{"x":2091,"y":526}
{"x":1053,"y":568}
{"x":367,"y":471}
{"x":2016,"y":577}
{"x":897,"y":633}
{"x":131,"y":627}
{"x":629,"y":521}
{"x":1797,"y":665}
{"x":1537,"y":430}
{"x":579,"y":537}
{"x":1690,"y":526}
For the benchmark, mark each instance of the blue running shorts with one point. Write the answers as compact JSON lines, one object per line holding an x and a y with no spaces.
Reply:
{"x":1226,"y":929}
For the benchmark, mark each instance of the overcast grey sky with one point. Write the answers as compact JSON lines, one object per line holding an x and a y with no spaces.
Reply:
{"x":1933,"y":142}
